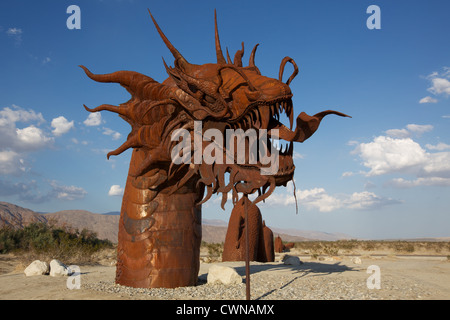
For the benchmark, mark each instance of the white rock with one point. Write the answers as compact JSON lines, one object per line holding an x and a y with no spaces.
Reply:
{"x":292,"y":260}
{"x":57,"y":268}
{"x":36,"y":268}
{"x":222,"y":274}
{"x":356,"y":260}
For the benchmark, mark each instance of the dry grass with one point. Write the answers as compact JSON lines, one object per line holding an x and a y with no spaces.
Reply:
{"x":213,"y":251}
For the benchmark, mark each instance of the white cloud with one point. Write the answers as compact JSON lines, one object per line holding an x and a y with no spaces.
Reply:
{"x":319,"y":199}
{"x":10,"y":116}
{"x":21,"y":139}
{"x":387,"y":155}
{"x":347,"y":174}
{"x":398,"y":133}
{"x":440,"y":146}
{"x":429,"y":181}
{"x":68,"y":193}
{"x":46,"y":60}
{"x":10,"y":162}
{"x":114,"y":134}
{"x":16,"y":33}
{"x":298,"y":155}
{"x":115,"y":190}
{"x":32,"y":137}
{"x":428,"y":99}
{"x":61,"y":126}
{"x":94,"y":119}
{"x":417,"y":129}
{"x":440,"y":84}
{"x":367,"y":200}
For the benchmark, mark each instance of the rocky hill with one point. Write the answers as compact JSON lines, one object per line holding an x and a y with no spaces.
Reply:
{"x":17,"y":217}
{"x":105,"y":226}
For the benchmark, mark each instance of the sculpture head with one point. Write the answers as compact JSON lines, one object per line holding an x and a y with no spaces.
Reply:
{"x":221,"y":96}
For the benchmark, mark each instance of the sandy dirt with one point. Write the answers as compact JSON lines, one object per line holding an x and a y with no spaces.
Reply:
{"x":404,"y":278}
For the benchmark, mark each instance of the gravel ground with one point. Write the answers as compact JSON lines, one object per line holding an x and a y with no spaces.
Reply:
{"x":401,"y":278}
{"x":405,"y":279}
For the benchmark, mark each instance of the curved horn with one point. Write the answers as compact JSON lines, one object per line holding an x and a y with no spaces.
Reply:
{"x":251,"y":62}
{"x":238,"y":57}
{"x":220,"y":57}
{"x":126,"y":78}
{"x":177,"y":55}
{"x":283,"y":63}
{"x":228,"y":57}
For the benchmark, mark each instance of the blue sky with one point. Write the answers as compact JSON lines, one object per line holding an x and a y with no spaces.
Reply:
{"x":385,"y":173}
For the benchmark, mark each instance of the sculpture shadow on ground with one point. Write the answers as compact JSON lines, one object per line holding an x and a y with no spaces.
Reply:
{"x":305,"y":269}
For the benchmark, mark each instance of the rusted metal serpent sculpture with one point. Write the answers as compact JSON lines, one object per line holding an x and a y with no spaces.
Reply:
{"x":160,"y":222}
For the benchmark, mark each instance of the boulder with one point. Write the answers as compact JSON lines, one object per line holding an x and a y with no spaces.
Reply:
{"x":356,"y":260}
{"x":224,"y":275}
{"x":57,"y":268}
{"x":292,"y":260}
{"x":36,"y":268}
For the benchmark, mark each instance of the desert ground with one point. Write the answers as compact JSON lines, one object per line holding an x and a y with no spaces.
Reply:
{"x":345,"y":277}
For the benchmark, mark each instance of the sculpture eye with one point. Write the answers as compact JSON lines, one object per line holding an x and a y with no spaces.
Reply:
{"x":193,"y":88}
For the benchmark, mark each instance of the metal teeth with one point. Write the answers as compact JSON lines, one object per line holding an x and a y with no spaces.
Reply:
{"x":253,"y":118}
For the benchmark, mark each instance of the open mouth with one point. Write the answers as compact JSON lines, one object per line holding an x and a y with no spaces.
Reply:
{"x":263,"y":115}
{"x":268,"y":116}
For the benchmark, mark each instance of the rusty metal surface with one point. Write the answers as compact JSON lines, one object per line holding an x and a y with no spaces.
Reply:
{"x":260,"y":237}
{"x":279,"y":245}
{"x":160,"y":224}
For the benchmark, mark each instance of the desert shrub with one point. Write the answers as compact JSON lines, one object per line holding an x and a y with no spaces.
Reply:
{"x":39,"y":240}
{"x":402,"y":246}
{"x":214,"y":249}
{"x":347,"y":244}
{"x":368,"y":245}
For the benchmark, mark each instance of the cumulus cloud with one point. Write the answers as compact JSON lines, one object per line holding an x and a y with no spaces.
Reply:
{"x":68,"y":193}
{"x":21,"y":139}
{"x":115,"y":190}
{"x":114,"y":134}
{"x":429,"y":181}
{"x":319,"y":199}
{"x":94,"y":119}
{"x":35,"y":192}
{"x":32,"y":138}
{"x":61,"y":126}
{"x":428,"y":99}
{"x":440,"y":146}
{"x":419,"y":128}
{"x":410,"y":130}
{"x":367,"y":200}
{"x":18,"y":114}
{"x":10,"y":162}
{"x":388,"y":155}
{"x":439,"y":85}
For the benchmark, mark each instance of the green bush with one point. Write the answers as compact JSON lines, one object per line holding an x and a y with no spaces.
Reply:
{"x":42,"y":240}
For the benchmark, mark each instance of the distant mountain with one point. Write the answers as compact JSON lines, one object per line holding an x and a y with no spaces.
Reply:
{"x":289,"y":235}
{"x":112,"y":213}
{"x":313,"y":235}
{"x":106,"y":225}
{"x":17,"y":217}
